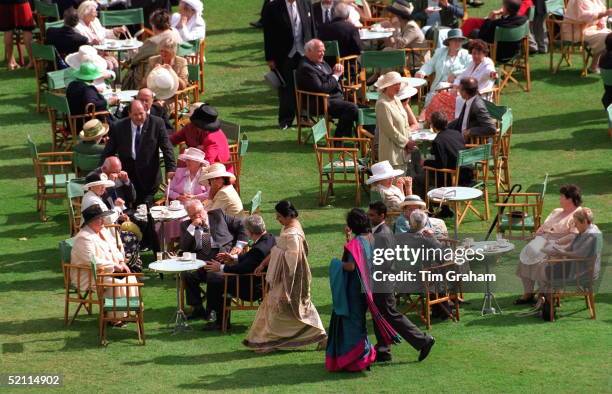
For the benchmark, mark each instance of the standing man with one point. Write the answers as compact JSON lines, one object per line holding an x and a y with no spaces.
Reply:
{"x":152,"y":107}
{"x":137,"y":141}
{"x":288,"y":25}
{"x":323,"y":12}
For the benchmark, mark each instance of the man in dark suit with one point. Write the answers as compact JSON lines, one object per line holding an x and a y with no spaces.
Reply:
{"x":288,"y":25}
{"x":152,"y":107}
{"x":474,"y":118}
{"x":507,"y":18}
{"x":377,"y":215}
{"x":207,"y":235}
{"x":315,"y":75}
{"x":323,"y":12}
{"x":123,"y":189}
{"x":66,"y":39}
{"x":238,"y":264}
{"x":341,"y":30}
{"x":137,"y":141}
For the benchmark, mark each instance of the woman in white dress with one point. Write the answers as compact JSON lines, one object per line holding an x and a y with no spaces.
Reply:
{"x":189,"y":21}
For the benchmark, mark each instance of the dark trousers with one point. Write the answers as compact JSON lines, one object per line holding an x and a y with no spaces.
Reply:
{"x":192,"y":282}
{"x":346,"y":113}
{"x":286,"y":95}
{"x":411,"y":333}
{"x":215,"y":287}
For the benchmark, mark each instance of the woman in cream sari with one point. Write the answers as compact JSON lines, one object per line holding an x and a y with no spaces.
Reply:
{"x":286,"y":318}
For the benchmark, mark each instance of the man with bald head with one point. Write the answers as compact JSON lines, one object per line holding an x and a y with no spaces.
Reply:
{"x":152,"y":107}
{"x":123,"y":189}
{"x":314,"y":75}
{"x":137,"y":140}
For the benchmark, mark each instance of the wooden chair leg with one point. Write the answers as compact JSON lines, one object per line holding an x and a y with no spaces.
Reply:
{"x":66,"y":307}
{"x":102,"y":328}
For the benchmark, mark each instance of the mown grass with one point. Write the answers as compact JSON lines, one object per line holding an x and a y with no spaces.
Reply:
{"x":559,"y":129}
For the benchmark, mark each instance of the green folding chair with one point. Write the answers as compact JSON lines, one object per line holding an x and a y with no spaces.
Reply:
{"x":254,"y":204}
{"x":380,"y":61}
{"x":188,"y":48}
{"x":44,"y":59}
{"x":232,"y":132}
{"x":522,"y":213}
{"x":520,"y":60}
{"x":60,"y":79}
{"x":128,"y":17}
{"x":566,"y":47}
{"x":59,"y":118}
{"x":83,"y":164}
{"x":45,"y":11}
{"x":350,"y":80}
{"x":48,"y":25}
{"x":74,"y":195}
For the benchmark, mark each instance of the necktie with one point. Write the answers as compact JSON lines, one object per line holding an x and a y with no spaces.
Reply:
{"x":137,"y":140}
{"x":462,"y":116}
{"x":198,"y":237}
{"x":202,"y":240}
{"x":327,"y":19}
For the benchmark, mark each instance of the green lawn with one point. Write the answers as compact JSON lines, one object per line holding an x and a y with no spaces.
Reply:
{"x":559,"y":128}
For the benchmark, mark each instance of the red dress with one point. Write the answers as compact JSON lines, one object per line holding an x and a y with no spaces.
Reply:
{"x":16,"y":14}
{"x":212,"y":143}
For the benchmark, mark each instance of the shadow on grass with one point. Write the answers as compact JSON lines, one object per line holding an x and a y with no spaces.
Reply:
{"x":574,"y":120}
{"x":595,"y":181}
{"x":208,"y":358}
{"x":583,"y":140}
{"x":284,"y":375}
{"x":566,"y":77}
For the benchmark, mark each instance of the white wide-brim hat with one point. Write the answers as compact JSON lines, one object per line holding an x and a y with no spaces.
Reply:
{"x":383,"y":170}
{"x":163,"y":82}
{"x":193,"y":154}
{"x":104,"y":181}
{"x":412,"y":201}
{"x":406,"y":92}
{"x":196,"y":5}
{"x":216,"y":170}
{"x":93,"y":129}
{"x":533,"y":252}
{"x":86,"y":53}
{"x":388,"y":79}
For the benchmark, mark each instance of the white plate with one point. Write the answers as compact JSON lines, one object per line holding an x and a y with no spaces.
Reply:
{"x":444,"y":85}
{"x":171,"y":208}
{"x":156,"y":209}
{"x":434,"y":9}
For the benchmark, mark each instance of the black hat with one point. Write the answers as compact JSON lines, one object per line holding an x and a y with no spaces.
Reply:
{"x":401,"y":8}
{"x":205,"y":118}
{"x":93,"y":212}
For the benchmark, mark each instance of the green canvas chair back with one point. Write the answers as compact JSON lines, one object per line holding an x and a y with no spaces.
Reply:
{"x":331,"y":48}
{"x":75,"y":188}
{"x":57,"y":102}
{"x":244,"y":145}
{"x":555,"y":7}
{"x":502,"y":114}
{"x":319,"y":131}
{"x":32,"y":147}
{"x":383,"y":59}
{"x":511,"y":34}
{"x":473,"y":155}
{"x":59,"y":23}
{"x":93,"y":263}
{"x":122,"y":17}
{"x":65,"y":248}
{"x":193,"y":71}
{"x":366,"y":116}
{"x":43,"y":52}
{"x":188,"y":48}
{"x":59,"y":79}
{"x":231,"y":131}
{"x":606,"y":76}
{"x":46,"y":9}
{"x":255,"y":202}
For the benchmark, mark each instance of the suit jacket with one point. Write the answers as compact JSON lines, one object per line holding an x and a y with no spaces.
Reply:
{"x":278,"y":32}
{"x":250,"y":260}
{"x":479,"y":121}
{"x":144,"y":171}
{"x":65,"y":39}
{"x":445,"y":148}
{"x":156,"y":110}
{"x":225,"y":231}
{"x":383,"y":229}
{"x":125,"y":191}
{"x":317,"y":13}
{"x":317,"y":78}
{"x":505,"y":50}
{"x":228,"y":200}
{"x":345,"y":33}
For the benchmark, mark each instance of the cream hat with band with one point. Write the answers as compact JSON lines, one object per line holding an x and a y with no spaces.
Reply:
{"x":389,"y":79}
{"x":92,"y":130}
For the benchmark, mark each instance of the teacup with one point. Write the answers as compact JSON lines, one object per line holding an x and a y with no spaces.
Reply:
{"x":175,"y":204}
{"x":186,"y":256}
{"x":142,"y":209}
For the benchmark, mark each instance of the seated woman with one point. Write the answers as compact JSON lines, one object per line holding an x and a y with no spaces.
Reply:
{"x":286,"y":318}
{"x":506,"y":16}
{"x":447,"y":63}
{"x":89,"y":142}
{"x":558,"y":230}
{"x":87,"y":53}
{"x":221,"y":193}
{"x":160,"y":25}
{"x":593,"y":15}
{"x":94,"y":241}
{"x":407,"y":33}
{"x":388,"y":183}
{"x":167,"y":58}
{"x":481,"y":67}
{"x":189,"y":21}
{"x":185,"y":183}
{"x":348,"y":347}
{"x":164,"y":83}
{"x":89,"y":25}
{"x":66,"y":39}
{"x":204,"y":132}
{"x":430,"y":226}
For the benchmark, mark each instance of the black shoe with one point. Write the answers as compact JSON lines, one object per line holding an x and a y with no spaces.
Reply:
{"x":475,"y":3}
{"x":426,"y":349}
{"x":383,"y":356}
{"x":256,"y":24}
{"x":198,"y":313}
{"x":445,"y":213}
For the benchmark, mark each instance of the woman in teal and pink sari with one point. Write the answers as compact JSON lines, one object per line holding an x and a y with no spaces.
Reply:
{"x":348,"y":347}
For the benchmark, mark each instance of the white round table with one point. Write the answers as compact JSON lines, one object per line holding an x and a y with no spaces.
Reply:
{"x":423,"y":135}
{"x":456,"y":195}
{"x":125,"y":96}
{"x":158,"y":216}
{"x":494,"y":249}
{"x":177,"y":266}
{"x":417,"y":82}
{"x":112,"y":45}
{"x":367,"y":35}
